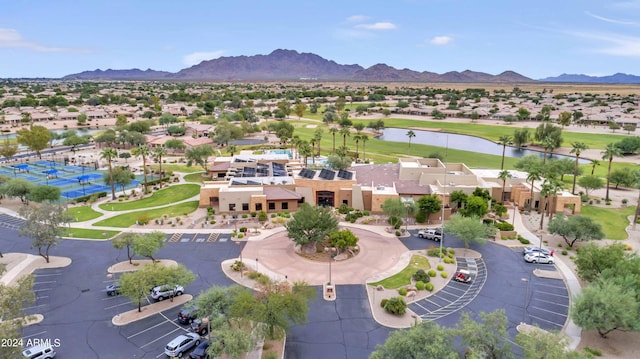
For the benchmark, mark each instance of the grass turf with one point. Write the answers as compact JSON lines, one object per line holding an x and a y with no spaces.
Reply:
{"x":613,"y":220}
{"x":129,"y":219}
{"x":195,"y":177}
{"x":165,"y":196}
{"x":83,"y":213}
{"x":404,"y":277}
{"x":86,"y":233}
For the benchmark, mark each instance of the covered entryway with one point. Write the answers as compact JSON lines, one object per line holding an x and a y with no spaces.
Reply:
{"x":325,"y":198}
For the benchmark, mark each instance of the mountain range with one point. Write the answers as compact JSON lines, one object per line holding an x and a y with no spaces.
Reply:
{"x":292,"y":65}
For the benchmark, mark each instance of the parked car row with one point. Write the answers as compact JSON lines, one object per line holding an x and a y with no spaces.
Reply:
{"x":199,"y":327}
{"x":158,"y":293}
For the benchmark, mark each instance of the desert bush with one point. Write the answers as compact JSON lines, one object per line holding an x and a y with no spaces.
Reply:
{"x":564,"y":253}
{"x":444,"y":274}
{"x":402,"y":291}
{"x":420,"y":285}
{"x":421,"y":217}
{"x":396,"y":305}
{"x":440,"y":267}
{"x":238,"y":266}
{"x":504,"y":226}
{"x":383,"y":302}
{"x":429,"y":287}
{"x":421,"y":276}
{"x":434,"y":252}
{"x":143,"y":219}
{"x":432,"y":273}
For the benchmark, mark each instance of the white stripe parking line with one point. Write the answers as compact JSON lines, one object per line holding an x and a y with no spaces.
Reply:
{"x":550,"y":286}
{"x":44,"y":282}
{"x":35,"y":306}
{"x":117,"y":305}
{"x":550,"y":302}
{"x":553,"y":294}
{"x":42,"y":290}
{"x":153,"y":341}
{"x":145,"y":330}
{"x":548,"y":311}
{"x":46,"y":275}
{"x":33,"y":335}
{"x":44,"y":296}
{"x":548,"y":321}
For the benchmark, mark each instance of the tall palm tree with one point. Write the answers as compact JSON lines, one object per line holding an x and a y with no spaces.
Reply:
{"x":504,"y":141}
{"x":411,"y":135}
{"x":144,"y":152}
{"x":305,"y":150}
{"x":317,"y":136}
{"x":609,"y":152}
{"x":534,"y":175}
{"x":333,"y":131}
{"x":232,"y":149}
{"x":356,"y":138}
{"x":556,"y":186}
{"x":577,"y":148}
{"x":549,"y":145}
{"x":109,"y":154}
{"x":345,"y":132}
{"x":158,"y":153}
{"x":594,"y":164}
{"x":545,"y":190}
{"x":503,"y":176}
{"x":364,"y":138}
{"x":313,"y":149}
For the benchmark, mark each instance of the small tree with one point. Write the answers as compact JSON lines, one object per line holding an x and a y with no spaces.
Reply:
{"x":43,"y":223}
{"x":590,"y":183}
{"x":198,"y":155}
{"x":429,"y":204}
{"x":125,"y":240}
{"x":147,"y":244}
{"x":575,"y":228}
{"x":13,"y":298}
{"x":493,"y":342}
{"x":468,"y":229}
{"x":343,"y":239}
{"x":44,"y":193}
{"x":475,"y":207}
{"x":538,"y":343}
{"x":592,"y":259}
{"x":311,"y":224}
{"x":425,"y":340}
{"x":17,"y":187}
{"x":136,"y":285}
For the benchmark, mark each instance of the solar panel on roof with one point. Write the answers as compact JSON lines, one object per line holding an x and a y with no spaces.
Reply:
{"x":327,"y":174}
{"x":345,"y":174}
{"x":307,"y":173}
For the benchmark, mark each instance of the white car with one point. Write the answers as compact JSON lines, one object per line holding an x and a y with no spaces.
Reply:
{"x":535,"y":250}
{"x":434,"y":234}
{"x":537,"y":257}
{"x":180,"y":344}
{"x":164,"y":291}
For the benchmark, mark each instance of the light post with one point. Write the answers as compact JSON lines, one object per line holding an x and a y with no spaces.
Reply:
{"x":256,"y":264}
{"x":515,"y":208}
{"x":406,"y":220}
{"x":241,"y":264}
{"x":526,"y":295}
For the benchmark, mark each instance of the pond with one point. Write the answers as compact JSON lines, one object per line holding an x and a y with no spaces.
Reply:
{"x":461,"y":142}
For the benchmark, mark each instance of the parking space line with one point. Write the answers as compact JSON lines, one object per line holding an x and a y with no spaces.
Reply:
{"x":35,"y":306}
{"x":548,"y":311}
{"x":545,"y":320}
{"x":46,"y":275}
{"x":117,"y":305}
{"x":549,"y":293}
{"x":44,"y":296}
{"x":153,"y":341}
{"x":543,"y":284}
{"x":550,"y":302}
{"x":33,"y":335}
{"x":146,"y":330}
{"x":44,"y":282}
{"x":42,"y":290}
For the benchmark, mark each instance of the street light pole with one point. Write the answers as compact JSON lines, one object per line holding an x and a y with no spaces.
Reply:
{"x":526,"y":295}
{"x":515,"y":208}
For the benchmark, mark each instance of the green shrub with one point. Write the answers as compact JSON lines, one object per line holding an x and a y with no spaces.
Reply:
{"x":504,"y":226}
{"x":243,"y":229}
{"x":269,"y":355}
{"x":240,"y":236}
{"x":402,"y":291}
{"x":451,"y":252}
{"x":273,"y":215}
{"x":523,"y":240}
{"x":343,"y":209}
{"x":434,"y":252}
{"x":432,"y":273}
{"x":559,"y":245}
{"x":398,"y":233}
{"x":444,"y":274}
{"x":262,"y":216}
{"x":421,"y":276}
{"x":254,"y":214}
{"x":254,"y":275}
{"x":421,"y":217}
{"x":592,"y":351}
{"x":143,"y":219}
{"x":383,"y":302}
{"x":365,"y":213}
{"x":564,"y":252}
{"x":245,"y":216}
{"x":396,"y":305}
{"x":420,"y":285}
{"x":429,"y":287}
{"x":238,"y":266}
{"x":440,"y":267}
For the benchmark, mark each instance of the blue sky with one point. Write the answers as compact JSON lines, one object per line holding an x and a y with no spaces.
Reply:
{"x":44,"y":38}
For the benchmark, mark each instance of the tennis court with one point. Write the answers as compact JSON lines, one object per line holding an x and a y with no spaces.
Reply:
{"x":73,"y":181}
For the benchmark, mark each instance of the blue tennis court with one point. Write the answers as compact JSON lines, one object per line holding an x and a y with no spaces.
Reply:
{"x":29,"y":178}
{"x":91,"y":189}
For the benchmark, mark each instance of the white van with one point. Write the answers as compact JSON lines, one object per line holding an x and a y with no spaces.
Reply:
{"x":42,"y":351}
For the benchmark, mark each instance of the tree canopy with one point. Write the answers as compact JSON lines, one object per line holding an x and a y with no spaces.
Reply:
{"x":575,"y":228}
{"x":311,"y":224}
{"x":34,"y":137}
{"x":424,"y":341}
{"x":43,"y":224}
{"x":198,"y":155}
{"x":468,"y":229}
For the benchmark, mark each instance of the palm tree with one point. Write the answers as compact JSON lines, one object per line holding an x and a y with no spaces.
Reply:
{"x":345,"y":132}
{"x":503,"y":176}
{"x":608,"y":153}
{"x":411,"y":135}
{"x":317,"y":136}
{"x":158,"y":153}
{"x":305,"y":150}
{"x":556,"y":186}
{"x":232,"y":149}
{"x":333,"y":131}
{"x":594,"y":164}
{"x":545,"y":190}
{"x":534,"y":175}
{"x":357,"y":139}
{"x":577,"y":148}
{"x":143,"y":151}
{"x":109,"y":154}
{"x":549,"y":145}
{"x":364,"y":138}
{"x":313,"y":148}
{"x":504,"y":141}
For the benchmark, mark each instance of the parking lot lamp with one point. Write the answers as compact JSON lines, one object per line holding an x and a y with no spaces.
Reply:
{"x":515,"y":208}
{"x":241,"y":264}
{"x":526,"y":295}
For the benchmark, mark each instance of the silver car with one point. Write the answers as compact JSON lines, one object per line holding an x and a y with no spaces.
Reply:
{"x":535,"y":250}
{"x":180,"y":344}
{"x":164,"y":291}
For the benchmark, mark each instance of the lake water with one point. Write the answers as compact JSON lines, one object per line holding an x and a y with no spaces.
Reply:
{"x":460,"y":142}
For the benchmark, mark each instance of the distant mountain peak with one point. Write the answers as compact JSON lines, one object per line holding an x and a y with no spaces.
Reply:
{"x":617,"y":78}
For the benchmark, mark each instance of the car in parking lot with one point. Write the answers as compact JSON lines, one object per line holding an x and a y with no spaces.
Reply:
{"x":538,"y":258}
{"x":165,"y":291}
{"x":187,"y":315}
{"x":113,"y":288}
{"x":463,"y":276}
{"x":535,"y":250}
{"x":200,"y":326}
{"x":200,"y":352}
{"x":180,"y":344}
{"x":434,"y":234}
{"x":42,"y":351}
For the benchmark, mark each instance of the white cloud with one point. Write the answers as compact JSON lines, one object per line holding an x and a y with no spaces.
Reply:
{"x":613,"y":21}
{"x":357,"y":18}
{"x":10,"y":38}
{"x":197,"y":57}
{"x":633,"y":4}
{"x":615,"y":44}
{"x":377,"y":26}
{"x":440,"y":40}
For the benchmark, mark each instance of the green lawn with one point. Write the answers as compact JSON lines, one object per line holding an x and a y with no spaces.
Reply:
{"x":404,"y":277}
{"x":165,"y":196}
{"x":90,"y":233}
{"x":177,"y":168}
{"x":129,"y":219}
{"x":195,"y":177}
{"x":613,"y":220}
{"x":83,"y":213}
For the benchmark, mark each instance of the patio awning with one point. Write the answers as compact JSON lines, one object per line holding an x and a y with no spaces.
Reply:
{"x":50,"y":172}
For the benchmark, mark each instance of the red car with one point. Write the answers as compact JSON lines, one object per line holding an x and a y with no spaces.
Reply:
{"x":463,"y":276}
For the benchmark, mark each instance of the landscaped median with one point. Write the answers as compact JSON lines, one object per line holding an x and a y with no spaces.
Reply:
{"x":129,"y":219}
{"x":160,"y":198}
{"x":86,"y":233}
